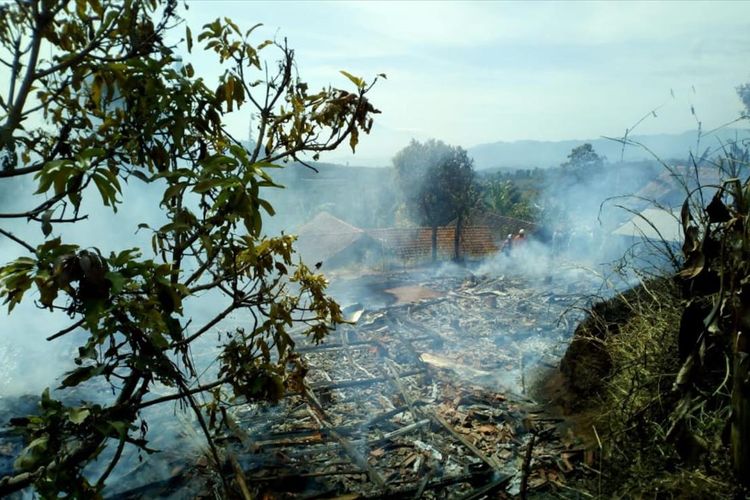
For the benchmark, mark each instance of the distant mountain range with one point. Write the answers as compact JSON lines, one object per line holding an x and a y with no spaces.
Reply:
{"x":544,"y":154}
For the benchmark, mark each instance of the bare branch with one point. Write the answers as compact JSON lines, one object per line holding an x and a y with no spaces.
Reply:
{"x":18,"y":240}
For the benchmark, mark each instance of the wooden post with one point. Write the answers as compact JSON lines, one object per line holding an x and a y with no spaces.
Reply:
{"x":434,"y":243}
{"x":457,"y":239}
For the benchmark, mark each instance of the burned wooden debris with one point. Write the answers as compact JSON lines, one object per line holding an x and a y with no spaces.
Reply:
{"x":418,"y":399}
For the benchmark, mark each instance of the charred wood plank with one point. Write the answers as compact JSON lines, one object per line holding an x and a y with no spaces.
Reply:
{"x":358,"y":458}
{"x":462,"y":439}
{"x":526,"y":469}
{"x":395,"y":376}
{"x":498,"y":484}
{"x":392,"y":413}
{"x":303,"y":475}
{"x":240,"y":477}
{"x":440,"y":484}
{"x":334,"y":346}
{"x":342,"y":384}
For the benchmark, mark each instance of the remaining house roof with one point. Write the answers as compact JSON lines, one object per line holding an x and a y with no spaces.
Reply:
{"x":654,"y":224}
{"x":416,"y":243}
{"x":671,"y":187}
{"x":498,"y":224}
{"x":325,"y":236}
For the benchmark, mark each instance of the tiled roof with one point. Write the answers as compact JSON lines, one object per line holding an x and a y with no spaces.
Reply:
{"x":325,"y":236}
{"x":499,"y":225}
{"x":416,"y":243}
{"x":500,"y":222}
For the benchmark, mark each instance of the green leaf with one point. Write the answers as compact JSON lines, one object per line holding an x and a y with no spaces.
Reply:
{"x":106,"y":190}
{"x":32,"y":454}
{"x":46,"y":225}
{"x":248,"y":32}
{"x":120,"y":427}
{"x":356,"y":80}
{"x":117,"y":281}
{"x":267,"y":207}
{"x":205,"y":185}
{"x":78,"y":415}
{"x":80,"y":375}
{"x":173,"y":191}
{"x":81,"y":9}
{"x":189,"y":39}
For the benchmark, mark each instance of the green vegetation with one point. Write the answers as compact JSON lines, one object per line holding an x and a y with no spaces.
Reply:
{"x":437,"y":183}
{"x":97,"y":99}
{"x":530,"y":194}
{"x":506,"y":198}
{"x":582,"y":161}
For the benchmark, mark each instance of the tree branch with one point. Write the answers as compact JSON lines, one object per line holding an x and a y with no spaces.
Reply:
{"x":18,"y":240}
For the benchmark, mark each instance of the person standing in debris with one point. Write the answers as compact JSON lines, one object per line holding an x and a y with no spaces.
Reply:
{"x":519,"y":239}
{"x":557,"y":240}
{"x":507,"y":244}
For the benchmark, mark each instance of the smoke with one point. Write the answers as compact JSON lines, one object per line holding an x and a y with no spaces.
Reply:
{"x":573,"y":250}
{"x":30,"y":362}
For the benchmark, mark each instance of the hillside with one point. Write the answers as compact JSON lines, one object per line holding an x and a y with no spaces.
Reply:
{"x":544,"y":154}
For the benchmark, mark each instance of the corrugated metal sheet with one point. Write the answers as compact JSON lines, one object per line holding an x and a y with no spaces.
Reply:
{"x":654,"y":224}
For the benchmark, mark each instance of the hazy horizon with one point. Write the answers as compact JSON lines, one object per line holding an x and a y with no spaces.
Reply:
{"x":472,"y":73}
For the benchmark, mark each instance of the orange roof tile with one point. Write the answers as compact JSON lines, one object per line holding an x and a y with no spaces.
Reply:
{"x":416,"y":243}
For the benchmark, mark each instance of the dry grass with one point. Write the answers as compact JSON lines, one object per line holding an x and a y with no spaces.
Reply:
{"x":640,"y":458}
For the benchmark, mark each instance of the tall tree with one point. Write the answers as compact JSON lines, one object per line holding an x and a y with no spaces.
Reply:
{"x":582,"y":161}
{"x":97,"y":98}
{"x":437,"y":184}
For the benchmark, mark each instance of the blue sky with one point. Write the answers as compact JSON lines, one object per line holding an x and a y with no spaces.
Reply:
{"x":477,"y":72}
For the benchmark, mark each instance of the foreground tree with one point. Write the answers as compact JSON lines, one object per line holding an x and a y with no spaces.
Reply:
{"x":95,"y":99}
{"x":437,"y":182}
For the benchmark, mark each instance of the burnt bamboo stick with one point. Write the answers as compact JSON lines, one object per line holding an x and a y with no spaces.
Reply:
{"x":476,"y":451}
{"x":240,"y":477}
{"x":359,"y":460}
{"x":526,"y":469}
{"x":389,"y":414}
{"x":389,"y":364}
{"x":282,"y":477}
{"x":406,"y":429}
{"x":333,"y":346}
{"x":342,"y":384}
{"x":440,"y":484}
{"x":487,"y":489}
